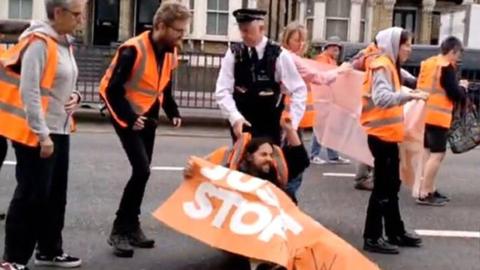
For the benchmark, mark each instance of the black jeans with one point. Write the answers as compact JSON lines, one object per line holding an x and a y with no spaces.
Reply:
{"x":3,"y":150}
{"x":383,"y":204}
{"x":37,"y":211}
{"x":138,"y":146}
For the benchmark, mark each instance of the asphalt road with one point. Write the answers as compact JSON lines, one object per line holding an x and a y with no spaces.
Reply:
{"x":99,"y":170}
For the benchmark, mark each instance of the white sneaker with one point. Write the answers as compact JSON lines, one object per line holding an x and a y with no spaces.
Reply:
{"x":317,"y":160}
{"x":340,"y":160}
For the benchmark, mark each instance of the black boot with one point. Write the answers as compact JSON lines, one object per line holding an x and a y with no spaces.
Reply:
{"x":379,"y":246}
{"x":406,"y":240}
{"x":138,"y":239}
{"x":121,"y":245}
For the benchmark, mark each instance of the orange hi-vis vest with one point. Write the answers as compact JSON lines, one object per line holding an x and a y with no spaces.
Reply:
{"x":439,"y":106}
{"x":13,"y":119}
{"x":386,"y":124}
{"x":326,"y":59}
{"x":370,"y":53}
{"x":146,"y":82}
{"x":231,"y":157}
{"x":309,"y":115}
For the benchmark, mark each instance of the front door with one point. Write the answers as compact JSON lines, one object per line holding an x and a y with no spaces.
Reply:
{"x":106,"y":22}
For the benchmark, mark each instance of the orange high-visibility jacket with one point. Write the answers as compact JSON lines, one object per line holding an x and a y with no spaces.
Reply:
{"x":309,"y":115}
{"x":386,"y":124}
{"x":439,"y":106}
{"x":13,"y":119}
{"x":231,"y":157}
{"x":370,"y":53}
{"x":146,"y":82}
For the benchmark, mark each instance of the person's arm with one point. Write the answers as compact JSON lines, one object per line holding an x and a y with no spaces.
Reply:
{"x":169,"y":104}
{"x":115,"y":92}
{"x":33,"y":63}
{"x":383,"y":92}
{"x":449,"y":82}
{"x":287,"y":74}
{"x":409,"y":80}
{"x":224,"y":89}
{"x":294,"y":152}
{"x":311,"y":75}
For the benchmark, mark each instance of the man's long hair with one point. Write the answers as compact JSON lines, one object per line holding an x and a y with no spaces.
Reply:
{"x":246,"y":165}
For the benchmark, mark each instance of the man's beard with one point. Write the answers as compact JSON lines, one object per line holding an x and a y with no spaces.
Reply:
{"x":248,"y":168}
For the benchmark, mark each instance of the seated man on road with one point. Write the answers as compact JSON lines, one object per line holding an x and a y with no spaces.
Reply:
{"x":259,"y":157}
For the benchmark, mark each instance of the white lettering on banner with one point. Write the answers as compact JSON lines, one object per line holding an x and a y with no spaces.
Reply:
{"x":234,"y":179}
{"x":237,"y":225}
{"x":204,"y":206}
{"x":230,"y":199}
{"x":265,"y":224}
{"x":268,"y":196}
{"x":215,"y":174}
{"x":279,"y":226}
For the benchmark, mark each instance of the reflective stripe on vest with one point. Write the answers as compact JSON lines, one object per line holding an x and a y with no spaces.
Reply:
{"x":11,"y":105}
{"x":439,"y":106}
{"x":145,"y":84}
{"x":309,"y":114}
{"x":384,"y":123}
{"x":238,"y":149}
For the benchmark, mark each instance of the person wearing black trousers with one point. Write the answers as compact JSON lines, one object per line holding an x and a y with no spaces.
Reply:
{"x":382,"y":118}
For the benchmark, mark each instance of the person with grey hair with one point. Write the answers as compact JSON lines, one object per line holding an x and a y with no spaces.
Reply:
{"x":48,"y":74}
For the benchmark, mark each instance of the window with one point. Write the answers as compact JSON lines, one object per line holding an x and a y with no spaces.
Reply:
{"x":309,"y":17}
{"x":436,"y":23}
{"x":406,"y":19}
{"x":338,"y":15}
{"x":363,"y":22}
{"x":191,"y":6}
{"x":310,"y":8}
{"x":217,"y":17}
{"x":20,"y":9}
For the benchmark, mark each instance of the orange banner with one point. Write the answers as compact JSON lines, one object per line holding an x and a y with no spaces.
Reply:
{"x":245,"y":215}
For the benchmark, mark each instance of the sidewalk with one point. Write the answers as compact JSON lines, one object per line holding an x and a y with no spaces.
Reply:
{"x":193,"y":117}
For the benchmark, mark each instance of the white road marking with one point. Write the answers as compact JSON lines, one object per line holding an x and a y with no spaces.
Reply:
{"x":339,"y":174}
{"x":166,"y":168}
{"x":432,"y":233}
{"x":457,"y":234}
{"x":155,"y":168}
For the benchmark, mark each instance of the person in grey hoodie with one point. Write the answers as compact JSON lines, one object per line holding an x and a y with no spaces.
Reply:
{"x":37,"y":210}
{"x":384,"y":133}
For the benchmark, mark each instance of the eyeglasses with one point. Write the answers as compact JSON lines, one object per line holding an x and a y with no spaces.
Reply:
{"x":178,"y":30}
{"x":74,"y":13}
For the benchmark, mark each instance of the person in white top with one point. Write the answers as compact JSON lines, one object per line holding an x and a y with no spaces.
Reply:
{"x":248,"y":86}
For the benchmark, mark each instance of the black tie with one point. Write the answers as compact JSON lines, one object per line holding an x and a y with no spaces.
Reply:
{"x":253,"y":55}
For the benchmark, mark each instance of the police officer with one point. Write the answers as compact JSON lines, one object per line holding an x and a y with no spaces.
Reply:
{"x":248,"y":88}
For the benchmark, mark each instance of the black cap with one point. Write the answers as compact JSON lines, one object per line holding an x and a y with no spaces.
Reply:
{"x":245,"y":15}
